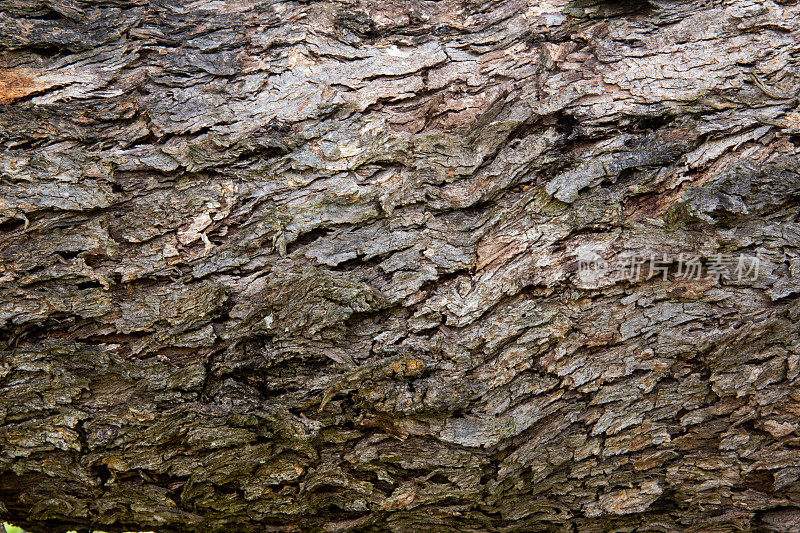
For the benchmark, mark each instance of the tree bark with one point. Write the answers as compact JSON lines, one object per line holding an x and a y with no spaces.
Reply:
{"x":340,"y":266}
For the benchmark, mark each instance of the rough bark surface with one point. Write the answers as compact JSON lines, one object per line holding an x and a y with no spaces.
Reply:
{"x":313,"y":266}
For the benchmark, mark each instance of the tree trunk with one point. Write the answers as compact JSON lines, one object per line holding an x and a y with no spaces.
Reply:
{"x":356,"y":266}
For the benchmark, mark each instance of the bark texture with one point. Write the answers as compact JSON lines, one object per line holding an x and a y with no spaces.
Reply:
{"x":276,"y":265}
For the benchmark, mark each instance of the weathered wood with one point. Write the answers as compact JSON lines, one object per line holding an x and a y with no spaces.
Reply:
{"x":314,"y":266}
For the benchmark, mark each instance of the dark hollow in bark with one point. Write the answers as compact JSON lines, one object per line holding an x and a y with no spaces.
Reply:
{"x":322,"y":266}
